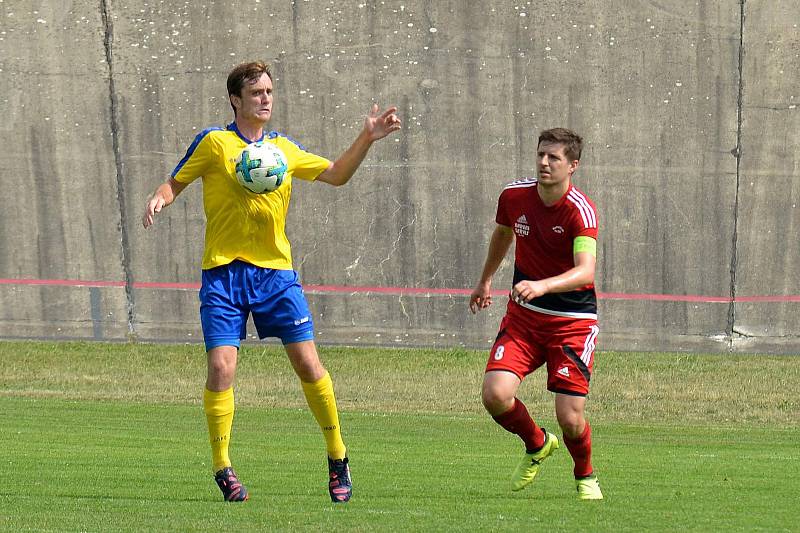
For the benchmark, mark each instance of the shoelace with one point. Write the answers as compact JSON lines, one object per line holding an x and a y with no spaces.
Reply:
{"x":230,"y":482}
{"x":339,"y":474}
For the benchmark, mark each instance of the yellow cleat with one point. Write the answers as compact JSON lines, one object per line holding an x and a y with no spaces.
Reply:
{"x":589,"y":488}
{"x":529,"y":466}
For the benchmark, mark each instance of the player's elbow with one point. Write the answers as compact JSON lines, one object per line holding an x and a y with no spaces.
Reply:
{"x":587,"y":276}
{"x":585,"y":268}
{"x":581,"y":275}
{"x":332,"y":177}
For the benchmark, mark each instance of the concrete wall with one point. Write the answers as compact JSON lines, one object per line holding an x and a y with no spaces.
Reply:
{"x":689,"y":110}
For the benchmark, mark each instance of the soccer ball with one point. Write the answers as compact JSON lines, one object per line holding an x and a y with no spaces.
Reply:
{"x":261,"y":167}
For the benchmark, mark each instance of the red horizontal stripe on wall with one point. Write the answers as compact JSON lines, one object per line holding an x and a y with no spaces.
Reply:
{"x":400,"y":291}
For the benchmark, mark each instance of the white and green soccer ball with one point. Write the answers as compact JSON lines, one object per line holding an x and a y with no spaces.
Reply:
{"x":261,"y":167}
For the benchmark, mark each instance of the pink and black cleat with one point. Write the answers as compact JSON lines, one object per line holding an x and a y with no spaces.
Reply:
{"x":340,"y":486}
{"x":232,"y":489}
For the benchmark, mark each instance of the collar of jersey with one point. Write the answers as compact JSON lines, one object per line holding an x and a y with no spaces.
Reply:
{"x":232,"y":127}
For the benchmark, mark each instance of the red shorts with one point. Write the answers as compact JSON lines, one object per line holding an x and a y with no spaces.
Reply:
{"x":526,"y":342}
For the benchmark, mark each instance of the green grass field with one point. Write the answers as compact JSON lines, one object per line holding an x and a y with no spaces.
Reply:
{"x":111,"y":437}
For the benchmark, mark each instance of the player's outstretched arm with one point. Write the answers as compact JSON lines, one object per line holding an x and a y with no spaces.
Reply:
{"x":377,"y":125}
{"x":501,"y":240}
{"x":163,"y":196}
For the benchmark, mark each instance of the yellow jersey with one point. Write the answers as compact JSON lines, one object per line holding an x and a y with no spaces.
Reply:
{"x":241,"y":224}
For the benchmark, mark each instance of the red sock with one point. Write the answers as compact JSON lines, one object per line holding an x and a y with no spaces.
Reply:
{"x":581,"y":451}
{"x":517,"y":420}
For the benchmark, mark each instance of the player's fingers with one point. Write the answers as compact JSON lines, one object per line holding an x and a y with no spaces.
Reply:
{"x":373,"y":112}
{"x":386,"y":114}
{"x":153,"y":206}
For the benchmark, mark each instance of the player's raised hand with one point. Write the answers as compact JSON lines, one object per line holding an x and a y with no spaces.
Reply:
{"x":379,"y":124}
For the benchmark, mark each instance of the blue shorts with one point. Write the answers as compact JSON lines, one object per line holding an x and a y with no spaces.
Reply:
{"x":229,"y":293}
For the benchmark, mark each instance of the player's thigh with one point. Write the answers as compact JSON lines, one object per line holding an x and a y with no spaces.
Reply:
{"x":514,"y":351}
{"x":222,"y":316}
{"x":570,"y":356}
{"x":279,"y":307}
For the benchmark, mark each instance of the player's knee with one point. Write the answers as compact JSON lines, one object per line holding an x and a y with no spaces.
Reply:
{"x":572,"y":424}
{"x":309,"y":368}
{"x":221,"y":372}
{"x":496,"y":401}
{"x":219,"y":367}
{"x":310,"y":373}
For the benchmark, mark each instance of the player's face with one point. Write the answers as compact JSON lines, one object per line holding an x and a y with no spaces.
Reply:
{"x":553,"y":165}
{"x":255,"y":102}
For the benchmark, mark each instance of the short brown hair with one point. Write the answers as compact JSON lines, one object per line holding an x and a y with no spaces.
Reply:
{"x":573,"y":143}
{"x":245,"y":72}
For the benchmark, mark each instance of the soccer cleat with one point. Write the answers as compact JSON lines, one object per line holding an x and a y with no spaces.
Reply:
{"x":588,"y":488}
{"x":340,"y":486}
{"x":232,"y":489}
{"x":529,"y":466}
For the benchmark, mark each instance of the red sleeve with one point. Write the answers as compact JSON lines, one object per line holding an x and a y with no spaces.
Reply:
{"x":585,"y":219}
{"x":502,"y":215}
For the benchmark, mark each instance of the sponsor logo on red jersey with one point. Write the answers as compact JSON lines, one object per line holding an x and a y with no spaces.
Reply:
{"x":521,"y":227}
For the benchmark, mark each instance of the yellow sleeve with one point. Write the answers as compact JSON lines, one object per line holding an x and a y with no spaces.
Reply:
{"x":197,"y":159}
{"x":303,"y":165}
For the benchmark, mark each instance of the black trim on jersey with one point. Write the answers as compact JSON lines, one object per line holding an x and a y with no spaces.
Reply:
{"x":500,"y":334}
{"x":577,"y":360}
{"x":275,"y":134}
{"x":568,"y":392}
{"x":584,"y":301}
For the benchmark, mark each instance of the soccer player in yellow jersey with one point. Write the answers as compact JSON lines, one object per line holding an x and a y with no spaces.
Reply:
{"x":247,"y":264}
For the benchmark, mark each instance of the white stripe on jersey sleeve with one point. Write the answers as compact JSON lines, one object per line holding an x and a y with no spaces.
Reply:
{"x":587,"y":213}
{"x":592,"y":214}
{"x":518,"y":184}
{"x":582,"y":210}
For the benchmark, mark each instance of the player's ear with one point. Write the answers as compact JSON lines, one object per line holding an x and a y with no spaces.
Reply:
{"x":236,"y":102}
{"x":574,"y":165}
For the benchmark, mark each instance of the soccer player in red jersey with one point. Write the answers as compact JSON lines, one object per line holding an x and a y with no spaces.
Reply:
{"x":551,"y":318}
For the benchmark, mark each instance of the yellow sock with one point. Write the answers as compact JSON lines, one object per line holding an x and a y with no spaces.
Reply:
{"x":322,"y":402}
{"x":219,"y":414}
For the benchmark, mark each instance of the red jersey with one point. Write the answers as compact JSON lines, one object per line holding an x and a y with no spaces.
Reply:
{"x":544,"y":243}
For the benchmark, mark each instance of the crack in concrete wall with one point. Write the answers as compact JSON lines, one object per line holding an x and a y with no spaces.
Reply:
{"x":108,"y":42}
{"x":737,"y":152}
